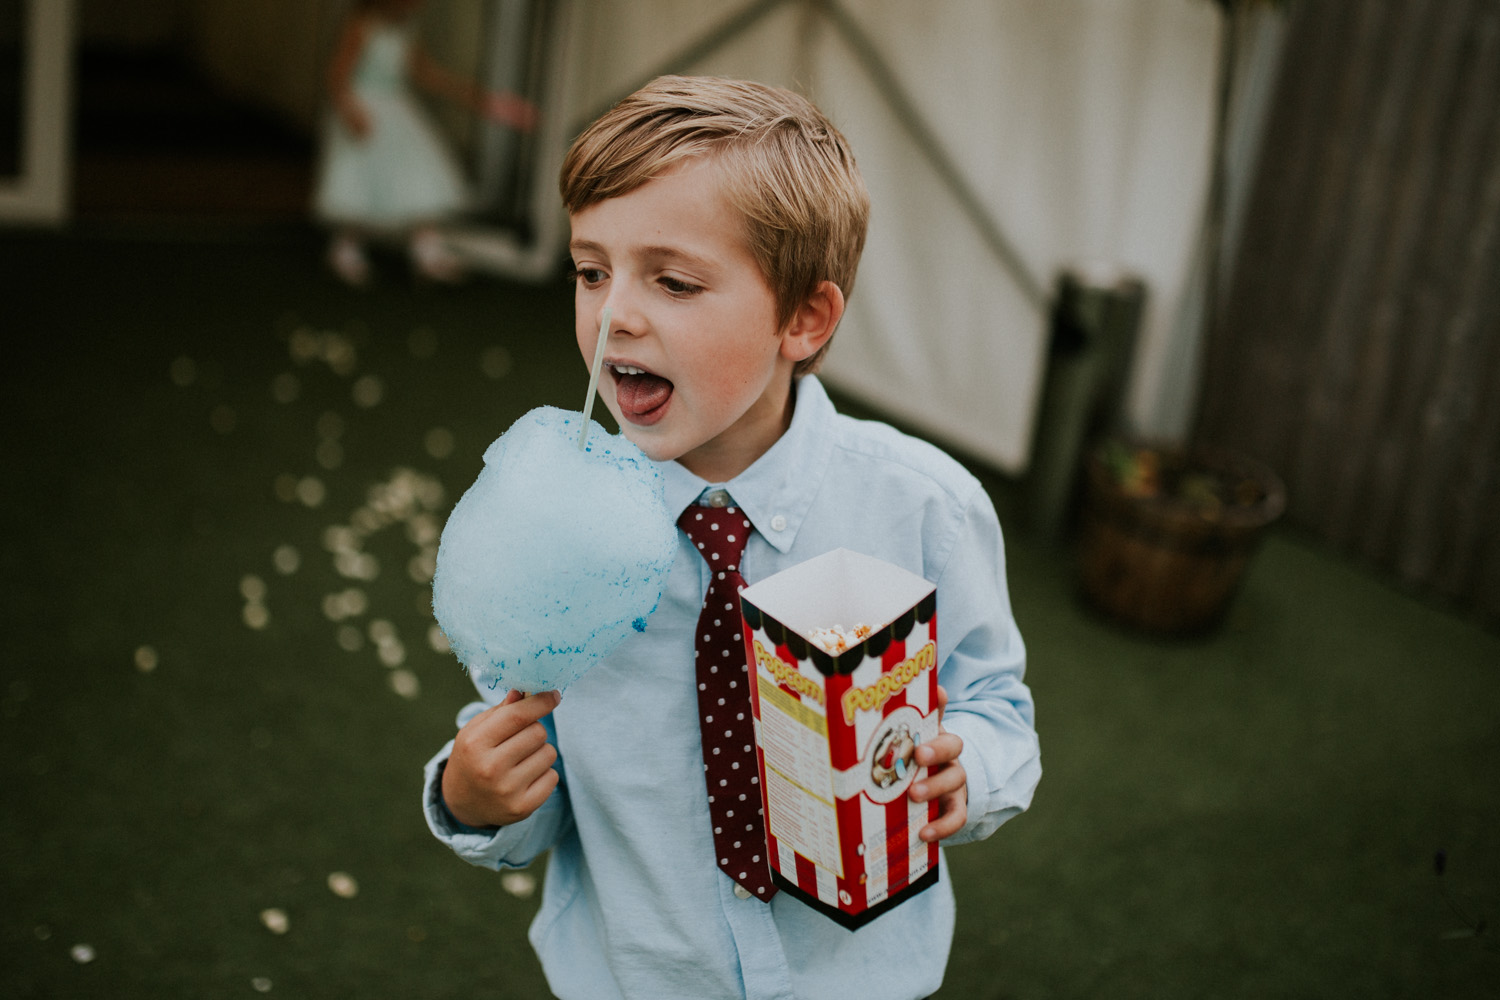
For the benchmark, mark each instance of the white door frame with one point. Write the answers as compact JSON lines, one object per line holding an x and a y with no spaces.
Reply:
{"x":41,"y":192}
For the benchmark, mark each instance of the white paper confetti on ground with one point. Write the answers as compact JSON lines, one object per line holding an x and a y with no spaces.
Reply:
{"x":275,"y":920}
{"x":392,"y":654}
{"x":261,"y":984}
{"x":423,"y":565}
{"x":410,"y":499}
{"x":340,"y":538}
{"x":519,"y":884}
{"x":424,"y":530}
{"x":344,"y":604}
{"x":342,"y":884}
{"x":310,"y":491}
{"x":368,"y":391}
{"x":437,"y":640}
{"x":287,"y":559}
{"x":438,"y":442}
{"x":256,"y":616}
{"x":252,"y":588}
{"x":341,"y":356}
{"x":146,"y":659}
{"x":83,"y":954}
{"x":357,"y":566}
{"x":405,"y":683}
{"x":331,"y":347}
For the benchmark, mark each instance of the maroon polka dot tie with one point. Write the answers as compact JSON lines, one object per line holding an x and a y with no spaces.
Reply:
{"x":724,"y":713}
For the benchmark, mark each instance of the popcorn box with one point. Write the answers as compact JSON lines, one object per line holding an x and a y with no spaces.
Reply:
{"x":836,"y":735}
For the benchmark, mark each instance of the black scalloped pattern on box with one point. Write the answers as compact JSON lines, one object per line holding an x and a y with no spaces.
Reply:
{"x":875,"y":644}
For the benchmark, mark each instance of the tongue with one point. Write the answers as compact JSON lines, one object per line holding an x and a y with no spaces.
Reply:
{"x":638,"y":394}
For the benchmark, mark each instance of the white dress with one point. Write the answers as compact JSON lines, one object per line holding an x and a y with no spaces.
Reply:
{"x":401,"y":173}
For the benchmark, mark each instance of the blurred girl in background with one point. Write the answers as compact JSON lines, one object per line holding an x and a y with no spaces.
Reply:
{"x":386,"y":171}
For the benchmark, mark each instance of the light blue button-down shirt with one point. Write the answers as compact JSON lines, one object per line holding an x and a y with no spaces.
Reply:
{"x":634,"y":905}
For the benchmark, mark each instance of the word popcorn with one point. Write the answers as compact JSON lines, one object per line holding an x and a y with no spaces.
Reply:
{"x":839,"y":716}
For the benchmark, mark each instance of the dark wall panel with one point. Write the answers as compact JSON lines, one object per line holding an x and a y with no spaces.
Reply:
{"x":1359,"y":353}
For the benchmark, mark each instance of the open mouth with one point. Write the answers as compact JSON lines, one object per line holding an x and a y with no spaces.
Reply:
{"x":640,"y":394}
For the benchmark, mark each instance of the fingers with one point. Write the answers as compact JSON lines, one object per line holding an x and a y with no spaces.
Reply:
{"x":940,"y":781}
{"x":940,"y":749}
{"x":946,"y":782}
{"x":500,"y":722}
{"x":508,"y":738}
{"x":484,"y":791}
{"x":953,"y":813}
{"x":500,"y":770}
{"x":948,"y":785}
{"x":520,"y":789}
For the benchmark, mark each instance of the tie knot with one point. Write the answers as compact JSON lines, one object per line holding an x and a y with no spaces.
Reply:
{"x":720,"y":533}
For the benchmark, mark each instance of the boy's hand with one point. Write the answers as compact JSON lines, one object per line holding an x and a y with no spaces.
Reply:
{"x":500,"y":770}
{"x":945,"y":780}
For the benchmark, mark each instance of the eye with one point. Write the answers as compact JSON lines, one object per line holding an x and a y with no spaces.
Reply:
{"x":589,"y":277}
{"x":678,"y":287}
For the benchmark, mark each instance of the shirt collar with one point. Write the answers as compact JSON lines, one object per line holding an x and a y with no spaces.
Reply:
{"x":777,"y":490}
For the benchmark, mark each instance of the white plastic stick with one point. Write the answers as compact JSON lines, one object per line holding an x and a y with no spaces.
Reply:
{"x":588,"y":401}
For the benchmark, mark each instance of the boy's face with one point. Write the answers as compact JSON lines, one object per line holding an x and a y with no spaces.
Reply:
{"x":694,"y":367}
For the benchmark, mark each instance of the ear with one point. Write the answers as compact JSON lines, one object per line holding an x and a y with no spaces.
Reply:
{"x":813,"y":322}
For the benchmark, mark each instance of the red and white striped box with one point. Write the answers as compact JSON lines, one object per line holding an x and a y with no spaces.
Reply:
{"x":836,"y":734}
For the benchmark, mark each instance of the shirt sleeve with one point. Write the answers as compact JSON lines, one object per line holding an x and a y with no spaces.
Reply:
{"x":513,"y":846}
{"x":989,"y":705}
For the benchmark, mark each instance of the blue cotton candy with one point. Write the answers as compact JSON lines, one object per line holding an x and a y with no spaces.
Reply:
{"x":554,"y":556}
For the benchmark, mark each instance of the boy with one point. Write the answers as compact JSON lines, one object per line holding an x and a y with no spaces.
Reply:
{"x":721,"y":222}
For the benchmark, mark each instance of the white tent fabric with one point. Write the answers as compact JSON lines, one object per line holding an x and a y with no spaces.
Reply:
{"x":1081,"y":128}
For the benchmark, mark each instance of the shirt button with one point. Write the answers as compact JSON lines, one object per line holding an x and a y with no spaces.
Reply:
{"x":719,"y":498}
{"x":741,"y":891}
{"x":778,"y":523}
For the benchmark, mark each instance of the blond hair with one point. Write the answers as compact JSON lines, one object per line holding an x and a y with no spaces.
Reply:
{"x":786,"y":169}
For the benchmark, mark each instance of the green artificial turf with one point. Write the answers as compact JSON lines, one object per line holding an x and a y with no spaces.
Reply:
{"x":198,"y":727}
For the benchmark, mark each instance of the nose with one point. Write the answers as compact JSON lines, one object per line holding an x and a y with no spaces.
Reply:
{"x":626,"y":318}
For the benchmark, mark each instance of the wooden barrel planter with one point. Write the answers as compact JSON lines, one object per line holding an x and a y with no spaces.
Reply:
{"x":1166,"y":533}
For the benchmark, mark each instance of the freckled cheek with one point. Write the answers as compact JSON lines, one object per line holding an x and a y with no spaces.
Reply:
{"x":740,"y":364}
{"x":728,"y":381}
